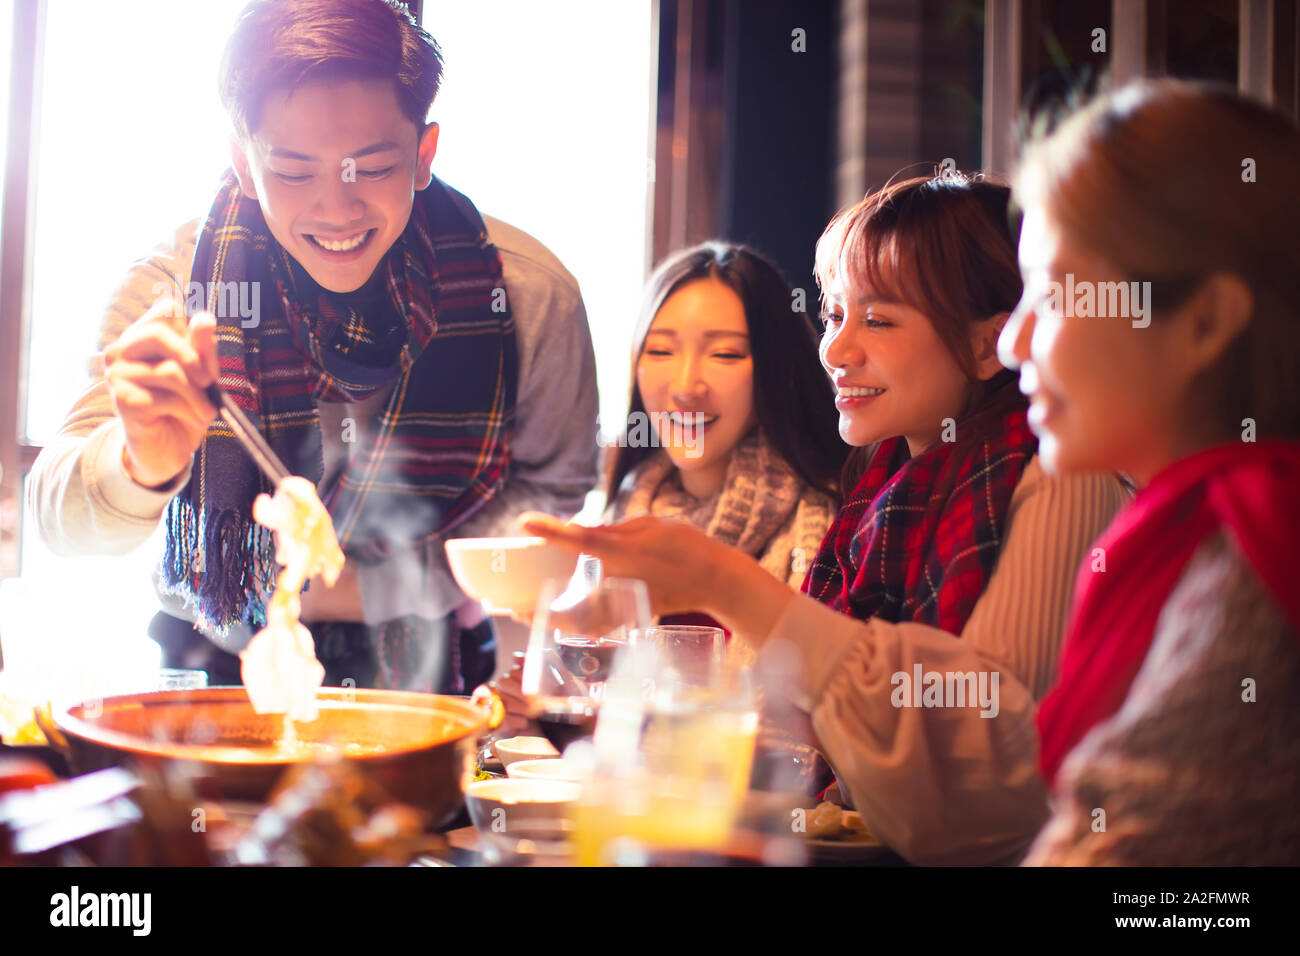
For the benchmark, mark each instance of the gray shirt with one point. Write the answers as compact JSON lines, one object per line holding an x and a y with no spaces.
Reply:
{"x":83,"y":502}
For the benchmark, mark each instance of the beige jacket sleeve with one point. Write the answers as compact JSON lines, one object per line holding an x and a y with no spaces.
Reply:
{"x":79,"y":494}
{"x":83,"y":502}
{"x":954,"y":784}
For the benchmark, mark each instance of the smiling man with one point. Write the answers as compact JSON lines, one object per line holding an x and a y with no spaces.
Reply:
{"x":429,"y":369}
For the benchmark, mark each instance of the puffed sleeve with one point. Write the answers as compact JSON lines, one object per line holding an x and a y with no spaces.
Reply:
{"x":955,"y":783}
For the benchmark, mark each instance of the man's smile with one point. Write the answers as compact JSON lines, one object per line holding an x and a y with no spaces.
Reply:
{"x":342,"y":248}
{"x":340,"y":244}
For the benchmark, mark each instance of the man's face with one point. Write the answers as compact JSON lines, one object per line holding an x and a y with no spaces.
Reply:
{"x":335,"y":167}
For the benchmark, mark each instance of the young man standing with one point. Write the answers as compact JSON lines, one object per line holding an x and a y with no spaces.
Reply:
{"x":430,"y":370}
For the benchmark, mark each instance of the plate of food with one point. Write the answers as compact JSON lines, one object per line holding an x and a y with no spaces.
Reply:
{"x":835,"y":836}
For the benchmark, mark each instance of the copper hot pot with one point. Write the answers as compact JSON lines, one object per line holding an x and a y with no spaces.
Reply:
{"x":419,"y":747}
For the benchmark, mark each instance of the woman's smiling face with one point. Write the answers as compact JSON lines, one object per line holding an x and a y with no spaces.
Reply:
{"x":696,"y":361}
{"x":893,"y":375}
{"x":335,"y":167}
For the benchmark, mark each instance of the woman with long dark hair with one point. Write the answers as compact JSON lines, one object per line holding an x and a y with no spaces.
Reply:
{"x":931,"y":618}
{"x":729,"y":424}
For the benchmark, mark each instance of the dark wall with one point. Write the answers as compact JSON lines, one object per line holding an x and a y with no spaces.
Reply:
{"x":951,"y":81}
{"x":776,"y":186}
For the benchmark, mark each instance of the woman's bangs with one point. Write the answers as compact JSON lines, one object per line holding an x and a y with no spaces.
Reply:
{"x":880,"y":264}
{"x":864,"y":251}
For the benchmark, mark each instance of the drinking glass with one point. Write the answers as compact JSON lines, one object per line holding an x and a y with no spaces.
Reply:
{"x":529,"y":842}
{"x":687,"y":654}
{"x":571,"y":648}
{"x":672,"y":750}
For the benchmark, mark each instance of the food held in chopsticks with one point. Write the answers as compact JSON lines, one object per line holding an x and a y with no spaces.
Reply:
{"x":279,"y":666}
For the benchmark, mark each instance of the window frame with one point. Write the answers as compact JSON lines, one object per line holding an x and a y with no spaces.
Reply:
{"x":17,"y":233}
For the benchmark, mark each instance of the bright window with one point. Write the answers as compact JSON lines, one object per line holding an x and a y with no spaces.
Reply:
{"x":131,"y":142}
{"x":546,"y":124}
{"x":6,"y":37}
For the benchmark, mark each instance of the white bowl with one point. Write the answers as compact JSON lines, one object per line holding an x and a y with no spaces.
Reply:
{"x":507,"y":573}
{"x":512,"y":749}
{"x":560,"y":769}
{"x":494,"y":805}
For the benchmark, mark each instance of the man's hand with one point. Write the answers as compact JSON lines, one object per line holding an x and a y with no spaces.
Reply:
{"x":157,"y":372}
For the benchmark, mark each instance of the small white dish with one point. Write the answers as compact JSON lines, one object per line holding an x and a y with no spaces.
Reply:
{"x":512,"y":749}
{"x":560,"y":769}
{"x":496,"y":805}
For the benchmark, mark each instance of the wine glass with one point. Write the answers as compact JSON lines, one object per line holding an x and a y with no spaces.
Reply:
{"x":574,"y":637}
{"x":687,"y":654}
{"x":587,"y":574}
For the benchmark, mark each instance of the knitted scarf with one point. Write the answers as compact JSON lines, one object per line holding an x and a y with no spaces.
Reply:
{"x":436,"y":332}
{"x":918,"y":538}
{"x":758,"y":497}
{"x":1246,"y":488}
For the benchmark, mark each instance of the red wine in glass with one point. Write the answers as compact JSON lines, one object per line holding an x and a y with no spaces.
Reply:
{"x":566,"y":719}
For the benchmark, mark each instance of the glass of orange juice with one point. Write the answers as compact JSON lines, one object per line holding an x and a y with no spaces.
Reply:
{"x":673,"y":750}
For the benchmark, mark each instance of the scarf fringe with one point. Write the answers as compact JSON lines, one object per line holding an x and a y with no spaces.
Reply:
{"x":217,"y":560}
{"x":244,"y":560}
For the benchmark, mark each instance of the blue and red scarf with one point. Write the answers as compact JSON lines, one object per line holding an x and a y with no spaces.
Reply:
{"x":437,"y":334}
{"x":918,"y":538}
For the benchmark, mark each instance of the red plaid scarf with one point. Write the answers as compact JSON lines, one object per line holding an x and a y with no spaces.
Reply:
{"x":436,"y":332}
{"x":902,"y":550}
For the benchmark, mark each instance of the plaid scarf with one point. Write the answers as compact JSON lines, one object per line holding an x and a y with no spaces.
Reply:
{"x":438,"y":449}
{"x":903,"y":548}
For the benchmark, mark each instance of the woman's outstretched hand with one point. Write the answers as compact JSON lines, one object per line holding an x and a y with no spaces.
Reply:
{"x":683,"y":568}
{"x":679,"y":564}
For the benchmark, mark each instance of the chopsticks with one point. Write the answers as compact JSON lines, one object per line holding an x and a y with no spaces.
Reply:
{"x":245,"y":431}
{"x":252,"y":439}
